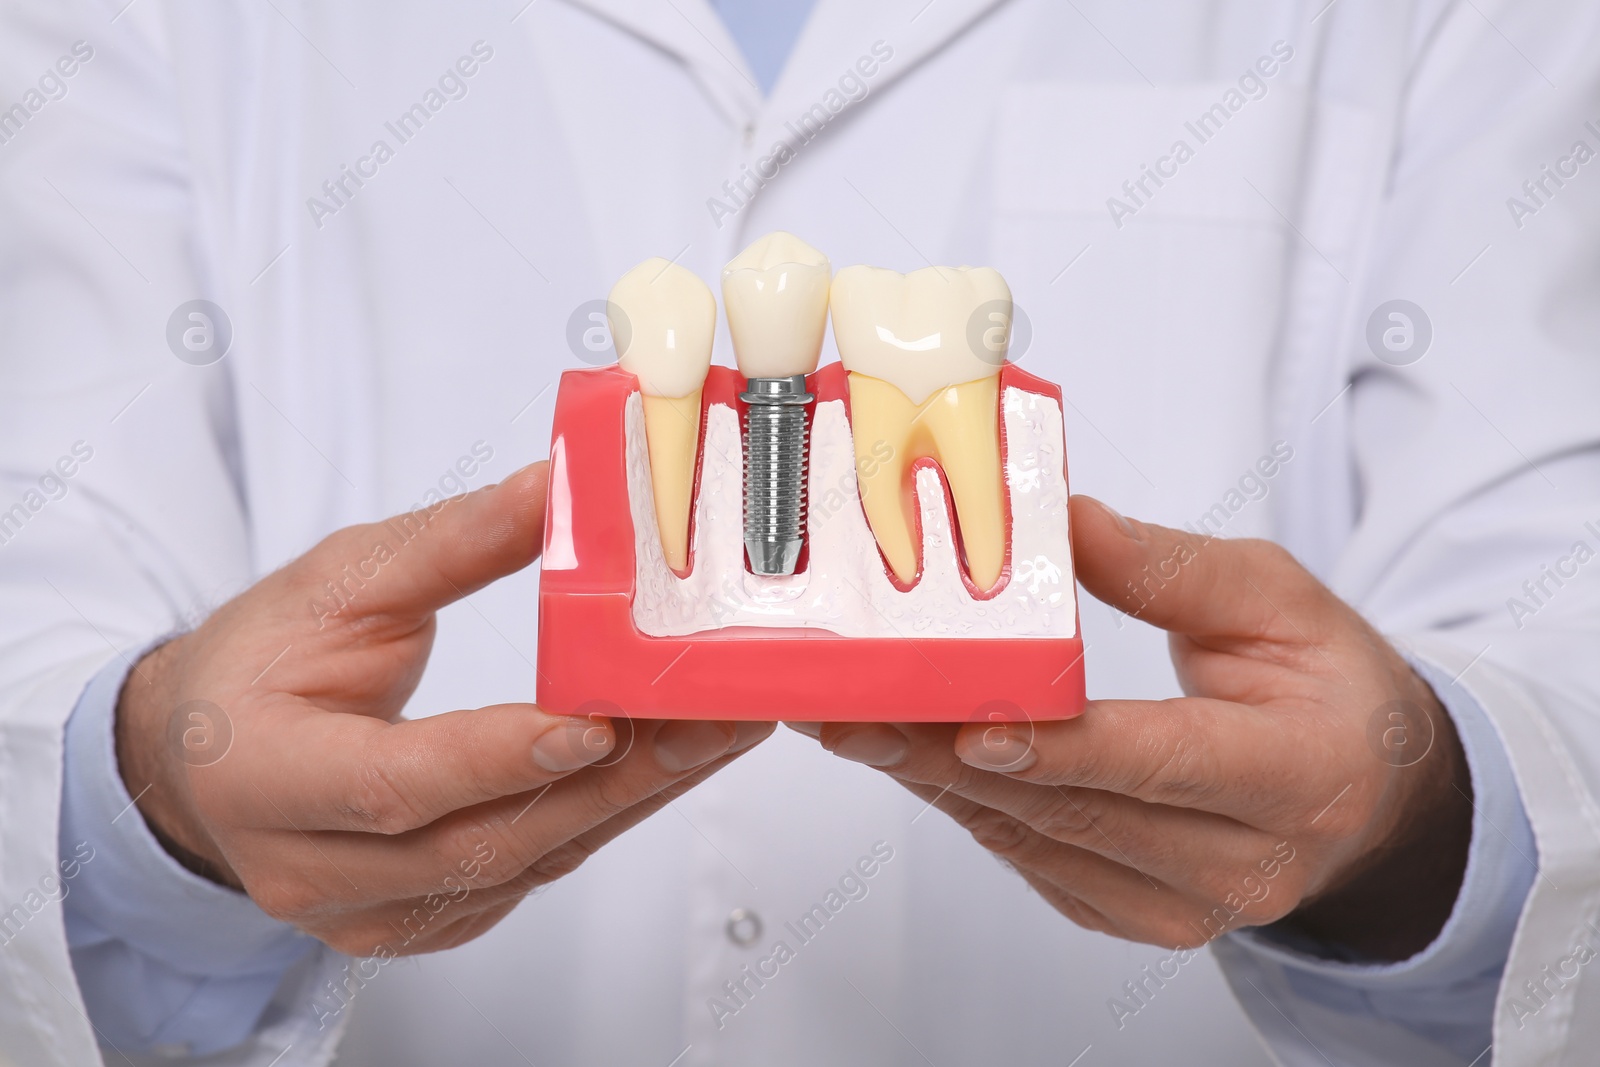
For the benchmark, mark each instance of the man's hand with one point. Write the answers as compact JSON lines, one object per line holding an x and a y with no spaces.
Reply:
{"x":1276,"y":788}
{"x":267,"y":751}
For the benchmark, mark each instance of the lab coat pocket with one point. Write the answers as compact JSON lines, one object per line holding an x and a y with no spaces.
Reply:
{"x":1146,"y":233}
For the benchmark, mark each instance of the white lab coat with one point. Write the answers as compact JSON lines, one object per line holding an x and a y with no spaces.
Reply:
{"x":377,"y":344}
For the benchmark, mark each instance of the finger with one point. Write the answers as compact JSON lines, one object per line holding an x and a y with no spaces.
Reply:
{"x":1164,"y":842}
{"x":1093,"y":891}
{"x":1171,"y":918}
{"x":1189,"y":752}
{"x":414,"y":564}
{"x":568,"y":856}
{"x":311,"y":874}
{"x":314,"y":771}
{"x":750,"y":734}
{"x":1203,"y":586}
{"x":408,"y":927}
{"x":469,"y":928}
{"x":454,"y":914}
{"x":525,"y":833}
{"x":1154,"y":751}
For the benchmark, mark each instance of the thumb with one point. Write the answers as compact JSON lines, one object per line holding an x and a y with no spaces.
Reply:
{"x":1190,"y":583}
{"x":416,"y":563}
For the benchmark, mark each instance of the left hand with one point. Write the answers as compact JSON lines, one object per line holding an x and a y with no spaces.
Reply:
{"x":1255,"y":797}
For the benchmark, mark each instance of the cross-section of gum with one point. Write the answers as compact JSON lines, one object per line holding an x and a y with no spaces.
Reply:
{"x":845,"y":588}
{"x":620,"y":634}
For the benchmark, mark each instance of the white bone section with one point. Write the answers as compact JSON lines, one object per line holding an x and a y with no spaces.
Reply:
{"x":845,"y":588}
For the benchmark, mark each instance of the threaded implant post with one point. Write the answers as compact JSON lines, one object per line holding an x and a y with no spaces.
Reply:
{"x":775,"y":472}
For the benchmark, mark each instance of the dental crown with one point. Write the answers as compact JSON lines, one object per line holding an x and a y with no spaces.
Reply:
{"x":912,"y":330}
{"x":776,"y":295}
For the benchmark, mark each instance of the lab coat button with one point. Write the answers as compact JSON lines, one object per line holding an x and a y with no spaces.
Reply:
{"x":743,"y":927}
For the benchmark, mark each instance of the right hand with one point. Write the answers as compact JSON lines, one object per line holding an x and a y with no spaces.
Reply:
{"x":374,"y":833}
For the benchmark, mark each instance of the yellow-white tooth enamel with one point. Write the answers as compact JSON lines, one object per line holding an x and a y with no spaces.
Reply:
{"x":924,"y":382}
{"x":669,"y":318}
{"x":917,"y":331}
{"x":670,"y":321}
{"x":776,"y":296}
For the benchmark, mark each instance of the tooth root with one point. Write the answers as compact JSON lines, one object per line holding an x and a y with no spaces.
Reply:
{"x":882,"y":421}
{"x":672,"y":431}
{"x":958,"y":427}
{"x":965,"y":423}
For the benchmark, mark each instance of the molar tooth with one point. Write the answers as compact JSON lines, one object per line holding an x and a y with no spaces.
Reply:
{"x":920,"y":385}
{"x":669,"y":317}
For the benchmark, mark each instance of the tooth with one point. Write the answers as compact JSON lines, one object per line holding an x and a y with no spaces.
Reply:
{"x":776,"y":295}
{"x":664,"y":318}
{"x":925,"y":382}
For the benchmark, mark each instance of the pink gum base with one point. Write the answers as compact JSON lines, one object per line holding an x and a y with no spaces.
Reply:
{"x":594,"y":660}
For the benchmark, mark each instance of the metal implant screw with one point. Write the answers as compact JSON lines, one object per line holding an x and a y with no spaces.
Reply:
{"x":775,"y":472}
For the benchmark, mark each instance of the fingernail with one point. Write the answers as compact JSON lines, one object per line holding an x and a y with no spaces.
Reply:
{"x":685,"y":743}
{"x":997,"y":748}
{"x":747,"y":734}
{"x":1116,"y":516}
{"x":876,"y":747}
{"x":570,"y":745}
{"x":812,"y":730}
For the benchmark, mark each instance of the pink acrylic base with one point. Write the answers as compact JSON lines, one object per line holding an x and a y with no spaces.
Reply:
{"x":594,"y":660}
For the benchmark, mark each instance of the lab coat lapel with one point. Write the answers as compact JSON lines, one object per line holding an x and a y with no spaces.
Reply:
{"x":847,"y":55}
{"x":695,"y":33}
{"x":840,"y":33}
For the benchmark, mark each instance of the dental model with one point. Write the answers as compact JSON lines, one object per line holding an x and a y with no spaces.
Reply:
{"x":913,"y":563}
